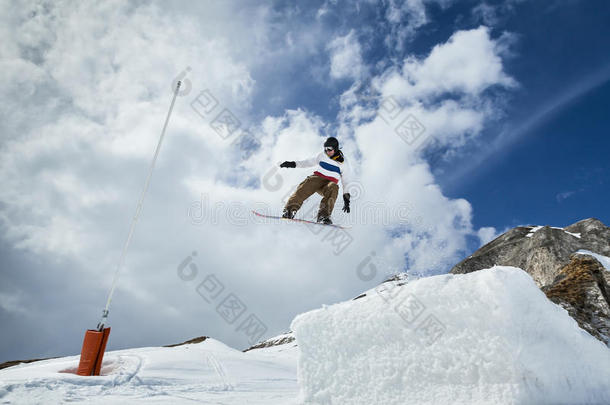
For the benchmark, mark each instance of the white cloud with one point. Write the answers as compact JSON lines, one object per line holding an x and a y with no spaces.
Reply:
{"x":433,"y":227}
{"x":493,"y":15}
{"x":346,"y":59}
{"x":443,"y":94}
{"x":486,"y":234}
{"x":445,"y":90}
{"x":468,"y":63}
{"x":486,"y":13}
{"x":405,"y":18}
{"x":87,"y":89}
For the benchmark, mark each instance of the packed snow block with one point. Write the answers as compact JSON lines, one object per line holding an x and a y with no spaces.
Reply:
{"x":489,"y":336}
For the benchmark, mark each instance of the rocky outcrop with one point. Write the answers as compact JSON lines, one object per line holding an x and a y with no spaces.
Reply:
{"x":594,"y":234}
{"x":283,"y":339}
{"x":579,"y":283}
{"x":582,"y":289}
{"x":189,"y":342}
{"x":17,"y":362}
{"x":540,"y":251}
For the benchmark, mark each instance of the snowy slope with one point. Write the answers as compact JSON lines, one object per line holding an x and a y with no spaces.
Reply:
{"x":207,"y":372}
{"x":485,"y":337}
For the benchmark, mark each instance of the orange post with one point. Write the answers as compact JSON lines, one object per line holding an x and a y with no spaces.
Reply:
{"x":92,"y":353}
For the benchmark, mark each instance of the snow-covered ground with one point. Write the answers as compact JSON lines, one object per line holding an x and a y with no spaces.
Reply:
{"x":604,"y":260}
{"x":487,"y":337}
{"x":207,"y":372}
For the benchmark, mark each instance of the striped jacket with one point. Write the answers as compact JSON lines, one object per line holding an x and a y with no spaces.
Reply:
{"x":327,"y":168}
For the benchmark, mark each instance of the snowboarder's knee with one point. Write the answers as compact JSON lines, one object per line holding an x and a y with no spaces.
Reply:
{"x":332,"y":188}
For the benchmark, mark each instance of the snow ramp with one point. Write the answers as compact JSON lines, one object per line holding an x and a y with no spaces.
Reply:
{"x":489,"y":336}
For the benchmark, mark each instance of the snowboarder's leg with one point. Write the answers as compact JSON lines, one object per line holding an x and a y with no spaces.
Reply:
{"x":307,"y":187}
{"x":329,"y":192}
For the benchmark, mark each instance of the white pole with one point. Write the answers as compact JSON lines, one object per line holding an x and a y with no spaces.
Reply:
{"x":102,"y":322}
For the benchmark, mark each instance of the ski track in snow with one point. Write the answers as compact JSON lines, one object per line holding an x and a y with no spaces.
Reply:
{"x":206,"y":373}
{"x":220,"y":372}
{"x":124,"y":369}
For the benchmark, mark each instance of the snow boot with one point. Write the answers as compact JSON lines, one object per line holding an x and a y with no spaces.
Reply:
{"x":325,"y":220}
{"x":288,"y":213}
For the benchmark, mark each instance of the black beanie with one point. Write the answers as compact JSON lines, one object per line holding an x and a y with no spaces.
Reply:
{"x":332,"y":142}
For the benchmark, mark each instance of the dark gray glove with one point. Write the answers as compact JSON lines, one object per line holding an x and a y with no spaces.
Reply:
{"x":289,"y":164}
{"x":346,"y":198}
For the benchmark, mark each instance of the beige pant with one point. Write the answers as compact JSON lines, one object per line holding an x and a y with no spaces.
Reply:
{"x":315,"y":184}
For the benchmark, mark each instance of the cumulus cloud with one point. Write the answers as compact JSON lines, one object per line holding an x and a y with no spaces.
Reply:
{"x":437,"y":99}
{"x":345,"y":57}
{"x":469,"y":63}
{"x":445,"y":90}
{"x":486,"y":234}
{"x":87,"y":89}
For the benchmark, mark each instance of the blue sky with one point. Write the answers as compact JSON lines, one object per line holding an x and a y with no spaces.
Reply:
{"x":557,"y":174}
{"x":556,"y":170}
{"x":510,"y":98}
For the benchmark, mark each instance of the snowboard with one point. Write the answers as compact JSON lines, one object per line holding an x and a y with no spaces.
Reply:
{"x":300,"y":220}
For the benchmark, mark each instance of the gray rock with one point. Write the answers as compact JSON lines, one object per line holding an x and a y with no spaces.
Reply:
{"x":542,"y":253}
{"x":578,"y":283}
{"x":280,"y":340}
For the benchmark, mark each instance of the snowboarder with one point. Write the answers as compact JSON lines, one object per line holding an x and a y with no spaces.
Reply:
{"x":324,"y":181}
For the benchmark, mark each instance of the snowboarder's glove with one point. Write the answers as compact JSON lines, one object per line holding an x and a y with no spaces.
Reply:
{"x":346,"y":202}
{"x":289,"y":164}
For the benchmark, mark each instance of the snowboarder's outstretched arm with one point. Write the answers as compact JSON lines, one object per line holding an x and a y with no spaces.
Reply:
{"x":302,"y":163}
{"x":311,"y":162}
